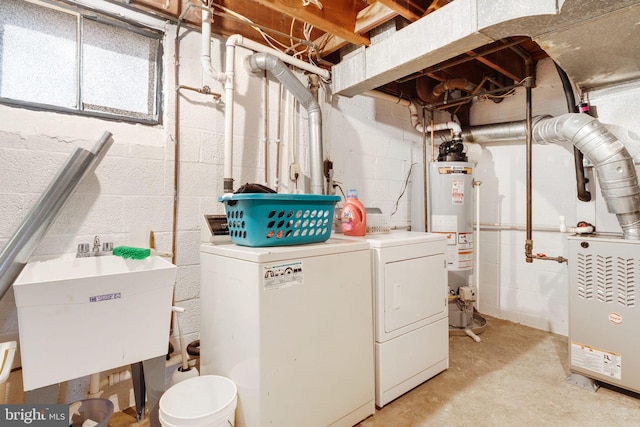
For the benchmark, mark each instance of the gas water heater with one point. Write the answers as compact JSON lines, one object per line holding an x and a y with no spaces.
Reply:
{"x":451,"y":185}
{"x":452,"y":208}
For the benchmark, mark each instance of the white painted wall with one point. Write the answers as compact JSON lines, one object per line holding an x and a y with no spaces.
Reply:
{"x":371,"y":143}
{"x":536,"y":294}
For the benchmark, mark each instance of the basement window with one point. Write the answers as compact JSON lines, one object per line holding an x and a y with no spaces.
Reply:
{"x":74,"y":60}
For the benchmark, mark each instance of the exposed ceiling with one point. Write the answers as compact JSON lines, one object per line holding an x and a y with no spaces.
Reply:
{"x":327,"y":31}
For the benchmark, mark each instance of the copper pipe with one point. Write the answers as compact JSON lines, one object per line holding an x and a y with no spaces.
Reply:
{"x":462,"y":84}
{"x":528,"y":143}
{"x":465,"y":99}
{"x":432,"y":124}
{"x":424,"y":172}
{"x":205,"y":90}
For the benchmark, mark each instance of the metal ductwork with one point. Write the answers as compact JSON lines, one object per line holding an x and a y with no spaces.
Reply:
{"x":268,"y":62}
{"x":613,"y":164}
{"x":594,"y":41}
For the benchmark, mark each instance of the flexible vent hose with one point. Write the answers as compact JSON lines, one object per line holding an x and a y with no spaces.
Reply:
{"x":613,"y":164}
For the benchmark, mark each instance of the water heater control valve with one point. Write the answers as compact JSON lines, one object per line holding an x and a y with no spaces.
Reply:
{"x":467,"y":293}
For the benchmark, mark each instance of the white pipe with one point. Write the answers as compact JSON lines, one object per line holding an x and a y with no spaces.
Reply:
{"x":477,"y":243}
{"x":576,"y":230}
{"x":230,"y":68}
{"x":232,"y":42}
{"x":238,"y":40}
{"x":415,"y":122}
{"x":205,"y":58}
{"x":472,"y":335}
{"x":183,"y":347}
{"x":94,"y":386}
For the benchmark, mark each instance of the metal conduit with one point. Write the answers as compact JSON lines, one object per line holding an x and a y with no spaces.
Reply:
{"x":28,"y":235}
{"x":266,"y":61}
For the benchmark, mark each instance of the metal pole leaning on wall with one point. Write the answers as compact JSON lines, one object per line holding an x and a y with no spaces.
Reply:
{"x":27,"y":236}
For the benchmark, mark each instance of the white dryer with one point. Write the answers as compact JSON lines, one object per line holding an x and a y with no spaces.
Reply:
{"x":410,"y":310}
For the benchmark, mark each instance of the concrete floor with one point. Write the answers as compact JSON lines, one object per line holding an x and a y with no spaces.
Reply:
{"x":514,"y":377}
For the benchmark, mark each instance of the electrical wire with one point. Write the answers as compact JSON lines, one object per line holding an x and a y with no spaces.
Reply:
{"x":504,"y":95}
{"x":267,"y":38}
{"x":339,"y":188}
{"x":404,"y":188}
{"x":309,"y":48}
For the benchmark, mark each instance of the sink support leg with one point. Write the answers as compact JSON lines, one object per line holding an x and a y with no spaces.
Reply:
{"x":154,"y":378}
{"x":139,"y":391}
{"x":43,"y":395}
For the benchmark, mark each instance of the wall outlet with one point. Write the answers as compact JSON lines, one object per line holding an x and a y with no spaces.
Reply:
{"x":294,"y":171}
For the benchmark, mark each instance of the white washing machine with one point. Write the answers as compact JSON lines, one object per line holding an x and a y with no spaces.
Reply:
{"x":410,"y":312}
{"x":292,"y":327}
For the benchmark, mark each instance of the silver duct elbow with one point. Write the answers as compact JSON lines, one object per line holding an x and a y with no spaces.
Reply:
{"x":268,"y":62}
{"x":613,"y":164}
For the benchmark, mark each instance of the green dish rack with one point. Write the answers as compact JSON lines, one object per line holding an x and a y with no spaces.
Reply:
{"x":274,"y":219}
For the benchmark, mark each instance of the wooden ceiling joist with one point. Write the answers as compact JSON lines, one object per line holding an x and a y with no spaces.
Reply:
{"x":336,"y":17}
{"x":366,"y":20}
{"x":408,"y":9}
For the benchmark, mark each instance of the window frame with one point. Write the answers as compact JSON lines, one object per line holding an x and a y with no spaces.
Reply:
{"x":81,"y":13}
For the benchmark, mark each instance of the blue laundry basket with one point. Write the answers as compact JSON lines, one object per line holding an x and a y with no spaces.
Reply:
{"x":273,"y":219}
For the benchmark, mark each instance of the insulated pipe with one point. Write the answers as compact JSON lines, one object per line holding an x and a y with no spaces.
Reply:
{"x":462,"y":84}
{"x":266,"y":61}
{"x":613,"y":164}
{"x":581,"y":181}
{"x":230,"y":53}
{"x":26,"y":238}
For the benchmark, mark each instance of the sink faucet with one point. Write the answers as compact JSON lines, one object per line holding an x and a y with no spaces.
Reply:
{"x":97,"y":250}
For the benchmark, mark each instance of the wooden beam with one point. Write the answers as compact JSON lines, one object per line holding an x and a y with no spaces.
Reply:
{"x":435,"y":5}
{"x":337,"y":17}
{"x":367,"y":19}
{"x":404,"y":8}
{"x":373,"y":16}
{"x":170,"y":7}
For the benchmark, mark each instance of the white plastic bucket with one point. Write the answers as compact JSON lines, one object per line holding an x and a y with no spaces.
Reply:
{"x":205,"y":401}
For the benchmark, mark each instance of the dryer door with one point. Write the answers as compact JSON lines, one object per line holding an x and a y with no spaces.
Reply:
{"x":414,"y":291}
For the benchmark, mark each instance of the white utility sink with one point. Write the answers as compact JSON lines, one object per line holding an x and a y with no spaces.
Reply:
{"x":79,"y":316}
